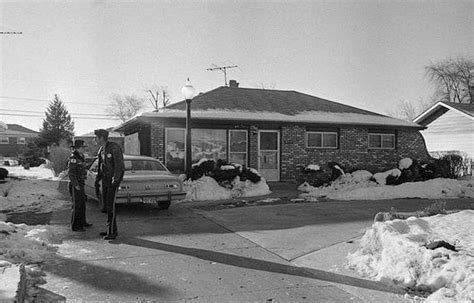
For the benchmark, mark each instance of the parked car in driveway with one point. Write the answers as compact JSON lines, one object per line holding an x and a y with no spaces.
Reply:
{"x":146,"y":180}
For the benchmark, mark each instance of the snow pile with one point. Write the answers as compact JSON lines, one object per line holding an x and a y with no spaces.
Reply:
{"x":381,"y":178}
{"x":313,"y":167}
{"x":30,"y":245}
{"x":395,"y":251}
{"x":358,"y":187}
{"x":207,"y":188}
{"x":40,"y":172}
{"x":21,"y":243}
{"x":405,"y":163}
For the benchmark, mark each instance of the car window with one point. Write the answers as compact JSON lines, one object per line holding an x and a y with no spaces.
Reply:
{"x":94,"y":166}
{"x":148,"y":165}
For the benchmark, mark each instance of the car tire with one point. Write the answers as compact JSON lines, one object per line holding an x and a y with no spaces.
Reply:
{"x":100,"y":203}
{"x":164,"y":204}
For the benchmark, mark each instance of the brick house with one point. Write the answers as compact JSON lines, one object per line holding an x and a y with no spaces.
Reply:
{"x":277,"y":132}
{"x":12,"y":139}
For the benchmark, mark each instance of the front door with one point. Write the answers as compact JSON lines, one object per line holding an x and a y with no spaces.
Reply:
{"x":269,"y":154}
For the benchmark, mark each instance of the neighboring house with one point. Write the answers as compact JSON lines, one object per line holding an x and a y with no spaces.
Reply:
{"x":277,"y":132}
{"x":449,"y":127}
{"x":12,"y":139}
{"x":92,"y":148}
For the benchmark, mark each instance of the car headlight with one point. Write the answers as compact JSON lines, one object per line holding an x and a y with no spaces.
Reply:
{"x":173,"y":185}
{"x":123,"y":187}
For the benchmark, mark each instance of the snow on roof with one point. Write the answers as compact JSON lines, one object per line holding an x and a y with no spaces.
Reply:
{"x":303,"y":117}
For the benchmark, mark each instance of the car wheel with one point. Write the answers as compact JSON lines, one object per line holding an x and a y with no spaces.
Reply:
{"x":164,"y":204}
{"x":100,"y":203}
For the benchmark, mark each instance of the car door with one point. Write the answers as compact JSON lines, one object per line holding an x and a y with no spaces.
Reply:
{"x":89,"y":187}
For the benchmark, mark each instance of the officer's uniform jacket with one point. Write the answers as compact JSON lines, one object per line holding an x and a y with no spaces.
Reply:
{"x":77,"y":169}
{"x":111,"y":166}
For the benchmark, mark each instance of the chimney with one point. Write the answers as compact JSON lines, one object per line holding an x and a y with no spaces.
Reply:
{"x":233,"y":83}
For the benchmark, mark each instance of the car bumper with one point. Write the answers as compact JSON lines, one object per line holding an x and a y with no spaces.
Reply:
{"x":151,"y":197}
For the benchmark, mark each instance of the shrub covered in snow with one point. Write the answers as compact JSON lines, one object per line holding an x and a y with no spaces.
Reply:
{"x":223,"y":172}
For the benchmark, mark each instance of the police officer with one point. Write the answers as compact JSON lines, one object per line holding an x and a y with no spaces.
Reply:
{"x":111,"y":170}
{"x":77,"y":172}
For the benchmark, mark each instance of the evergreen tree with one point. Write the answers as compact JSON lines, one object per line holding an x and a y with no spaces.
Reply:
{"x":57,"y":125}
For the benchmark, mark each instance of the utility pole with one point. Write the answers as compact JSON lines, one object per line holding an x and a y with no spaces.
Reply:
{"x":222,"y":69}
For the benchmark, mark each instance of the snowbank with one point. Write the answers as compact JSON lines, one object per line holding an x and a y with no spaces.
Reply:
{"x":394,"y":251}
{"x":30,"y":245}
{"x":207,"y":188}
{"x":356,"y":187}
{"x":40,"y":172}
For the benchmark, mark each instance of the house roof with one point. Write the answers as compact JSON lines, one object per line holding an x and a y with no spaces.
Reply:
{"x":16,"y":129}
{"x":233,"y":103}
{"x":112,"y":134}
{"x":435,"y":111}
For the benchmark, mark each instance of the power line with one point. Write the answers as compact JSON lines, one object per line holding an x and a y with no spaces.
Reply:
{"x":38,"y":116}
{"x":45,"y":100}
{"x":37,"y":112}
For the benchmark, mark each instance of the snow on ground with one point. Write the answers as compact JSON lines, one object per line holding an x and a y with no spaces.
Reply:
{"x":40,"y":172}
{"x":30,"y":245}
{"x":206,"y":188}
{"x":357,"y":186}
{"x":393,"y":251}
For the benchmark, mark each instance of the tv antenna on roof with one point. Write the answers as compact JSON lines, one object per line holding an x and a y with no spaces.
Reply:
{"x":222,"y":69}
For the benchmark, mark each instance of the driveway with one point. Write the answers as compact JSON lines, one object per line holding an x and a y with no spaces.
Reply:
{"x":285,"y":252}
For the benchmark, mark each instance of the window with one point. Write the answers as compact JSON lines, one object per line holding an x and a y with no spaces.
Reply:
{"x":381,"y":141}
{"x":238,"y":146}
{"x":209,"y":144}
{"x":148,"y":165}
{"x":174,"y":158}
{"x":321,"y":139}
{"x":21,"y":140}
{"x":4,"y":140}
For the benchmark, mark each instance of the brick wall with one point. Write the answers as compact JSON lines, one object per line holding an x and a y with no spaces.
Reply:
{"x":352,"y":154}
{"x":157,"y":134}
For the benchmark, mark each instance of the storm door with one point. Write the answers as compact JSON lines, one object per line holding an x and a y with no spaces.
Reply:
{"x":269,"y":154}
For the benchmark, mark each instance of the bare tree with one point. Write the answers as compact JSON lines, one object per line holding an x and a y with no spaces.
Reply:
{"x":409,"y":110}
{"x":453,"y":79}
{"x":125,"y":107}
{"x":159,"y":96}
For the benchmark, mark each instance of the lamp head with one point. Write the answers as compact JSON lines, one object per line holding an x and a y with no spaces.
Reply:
{"x":188,"y":90}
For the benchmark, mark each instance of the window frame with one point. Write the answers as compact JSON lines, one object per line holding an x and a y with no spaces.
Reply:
{"x":229,"y":131}
{"x":393,"y":135}
{"x":322,"y":132}
{"x":166,"y":145}
{"x":4,"y":140}
{"x":21,"y":142}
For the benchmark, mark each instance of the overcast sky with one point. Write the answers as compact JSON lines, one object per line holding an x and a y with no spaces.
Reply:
{"x":368,"y":54}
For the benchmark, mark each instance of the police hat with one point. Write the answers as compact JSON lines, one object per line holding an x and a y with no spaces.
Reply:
{"x":78,"y":143}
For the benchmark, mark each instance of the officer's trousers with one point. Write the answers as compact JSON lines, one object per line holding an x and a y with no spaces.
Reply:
{"x":108,"y":194}
{"x":78,"y":214}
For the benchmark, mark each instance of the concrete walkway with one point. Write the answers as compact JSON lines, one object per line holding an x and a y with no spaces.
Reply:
{"x":219,"y":252}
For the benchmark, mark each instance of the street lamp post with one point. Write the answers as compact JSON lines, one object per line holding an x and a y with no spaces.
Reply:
{"x":188,"y":94}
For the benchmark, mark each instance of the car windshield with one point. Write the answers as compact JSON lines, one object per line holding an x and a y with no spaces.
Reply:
{"x":143,"y":165}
